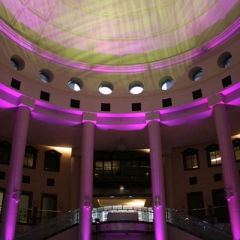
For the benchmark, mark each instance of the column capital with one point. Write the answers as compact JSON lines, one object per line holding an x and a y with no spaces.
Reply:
{"x":89,"y":117}
{"x":153,"y":116}
{"x":27,"y":102}
{"x":216,"y":99}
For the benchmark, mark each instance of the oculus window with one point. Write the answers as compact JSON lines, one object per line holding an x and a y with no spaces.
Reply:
{"x":5,"y":152}
{"x":213,"y":155}
{"x":30,"y":157}
{"x":190,"y":159}
{"x":52,"y":161}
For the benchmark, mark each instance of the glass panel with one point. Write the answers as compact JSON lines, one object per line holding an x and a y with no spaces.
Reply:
{"x":48,"y":207}
{"x":28,"y":159}
{"x":23,"y":210}
{"x":1,"y":201}
{"x":215,"y":157}
{"x":4,"y":155}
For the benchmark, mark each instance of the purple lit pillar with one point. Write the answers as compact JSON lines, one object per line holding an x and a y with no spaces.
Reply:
{"x":14,"y":180}
{"x":229,"y":167}
{"x":86,"y":177}
{"x":158,"y":192}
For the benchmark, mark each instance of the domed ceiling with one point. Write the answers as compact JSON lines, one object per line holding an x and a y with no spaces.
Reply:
{"x":117,"y":32}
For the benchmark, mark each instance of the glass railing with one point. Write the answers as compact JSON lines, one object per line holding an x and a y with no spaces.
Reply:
{"x":175,"y":218}
{"x":51,"y":227}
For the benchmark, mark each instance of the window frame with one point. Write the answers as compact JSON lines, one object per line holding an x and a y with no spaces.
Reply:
{"x":190,"y":152}
{"x":6,"y":146}
{"x":55,"y":154}
{"x":236,"y":143}
{"x":30,"y":150}
{"x":212,"y":148}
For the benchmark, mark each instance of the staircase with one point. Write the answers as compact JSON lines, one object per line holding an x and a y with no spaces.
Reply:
{"x":174,"y":218}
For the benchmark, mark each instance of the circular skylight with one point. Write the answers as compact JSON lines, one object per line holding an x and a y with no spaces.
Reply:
{"x":74,"y":86}
{"x":136,"y":87}
{"x":44,"y":77}
{"x":197,"y":75}
{"x":167,"y":84}
{"x":224,"y":60}
{"x":105,"y":88}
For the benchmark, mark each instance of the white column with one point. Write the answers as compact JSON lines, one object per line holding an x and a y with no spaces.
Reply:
{"x":75,"y":169}
{"x":229,"y":166}
{"x":86,"y":178}
{"x":168,"y":180}
{"x":14,"y":180}
{"x":158,"y":192}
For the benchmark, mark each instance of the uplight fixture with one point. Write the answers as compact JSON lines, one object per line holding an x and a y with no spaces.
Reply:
{"x":136,"y":87}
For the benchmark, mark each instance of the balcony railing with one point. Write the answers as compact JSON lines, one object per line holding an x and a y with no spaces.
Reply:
{"x":177,"y":219}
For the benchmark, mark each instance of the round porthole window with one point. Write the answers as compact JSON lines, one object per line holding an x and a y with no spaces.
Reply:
{"x":224,"y":60}
{"x":105,"y":88}
{"x":135,"y":87}
{"x":75,"y":84}
{"x":195,"y":73}
{"x":45,"y":75}
{"x":166,"y":83}
{"x":17,"y":62}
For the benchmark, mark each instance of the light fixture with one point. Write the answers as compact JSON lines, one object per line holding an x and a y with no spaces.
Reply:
{"x":228,"y":193}
{"x":121,"y":188}
{"x":87,"y":203}
{"x":135,"y":87}
{"x":157,"y":202}
{"x":105,"y":88}
{"x":16,"y":195}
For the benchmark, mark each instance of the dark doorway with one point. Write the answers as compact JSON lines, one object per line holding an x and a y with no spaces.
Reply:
{"x":48,"y":206}
{"x":196,"y":205}
{"x":220,"y":206}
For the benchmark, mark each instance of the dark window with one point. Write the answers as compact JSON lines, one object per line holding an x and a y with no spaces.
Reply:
{"x":190,"y":159}
{"x":2,"y":175}
{"x":52,"y":161}
{"x":50,"y":182}
{"x":25,"y":179}
{"x":15,"y":84}
{"x":30,"y":157}
{"x":236,"y":147}
{"x":213,"y":155}
{"x":136,"y":107}
{"x":217,"y":177}
{"x":74,"y":103}
{"x":197,"y":94}
{"x":167,"y":102}
{"x":105,"y":107}
{"x":5,"y":152}
{"x":45,"y":96}
{"x":226,"y":81}
{"x":193,"y":180}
